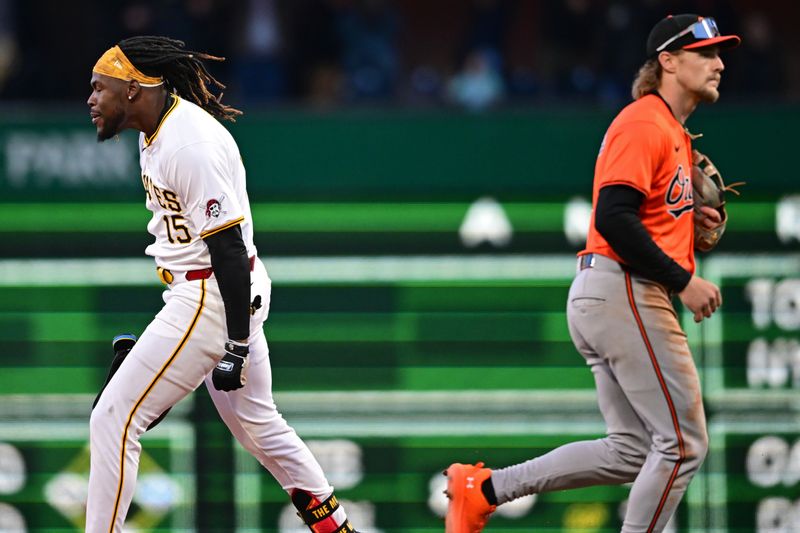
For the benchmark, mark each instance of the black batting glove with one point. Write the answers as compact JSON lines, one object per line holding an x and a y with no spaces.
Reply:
{"x":229,"y":373}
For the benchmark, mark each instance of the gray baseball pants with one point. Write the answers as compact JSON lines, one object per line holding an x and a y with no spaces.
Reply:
{"x":648,"y":392}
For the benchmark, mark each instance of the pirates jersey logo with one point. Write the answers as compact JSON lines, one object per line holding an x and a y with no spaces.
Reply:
{"x":214,"y":207}
{"x":679,"y":194}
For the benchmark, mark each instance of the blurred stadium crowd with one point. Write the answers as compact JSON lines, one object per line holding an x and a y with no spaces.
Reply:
{"x":330,"y":53}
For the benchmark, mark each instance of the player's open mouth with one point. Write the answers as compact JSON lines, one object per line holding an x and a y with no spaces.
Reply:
{"x":95,"y":117}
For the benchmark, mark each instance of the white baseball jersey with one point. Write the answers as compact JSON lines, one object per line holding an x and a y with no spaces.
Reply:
{"x":195,"y":184}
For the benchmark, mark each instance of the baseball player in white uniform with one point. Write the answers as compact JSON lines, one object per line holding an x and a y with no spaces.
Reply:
{"x":210,"y":328}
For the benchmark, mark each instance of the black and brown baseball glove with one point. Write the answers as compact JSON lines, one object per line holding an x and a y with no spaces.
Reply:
{"x":708,"y":191}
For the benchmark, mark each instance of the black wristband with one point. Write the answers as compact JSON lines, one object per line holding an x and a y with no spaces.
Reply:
{"x":237,"y":348}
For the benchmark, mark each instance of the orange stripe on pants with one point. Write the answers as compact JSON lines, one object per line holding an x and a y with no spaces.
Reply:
{"x":670,"y":404}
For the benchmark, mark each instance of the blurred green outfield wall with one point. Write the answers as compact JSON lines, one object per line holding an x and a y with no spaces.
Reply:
{"x":396,"y":345}
{"x":522,"y":154}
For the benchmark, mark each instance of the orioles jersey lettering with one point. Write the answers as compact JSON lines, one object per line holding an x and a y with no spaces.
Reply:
{"x":679,"y":194}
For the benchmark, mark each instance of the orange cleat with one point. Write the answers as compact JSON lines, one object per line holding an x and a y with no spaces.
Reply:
{"x":468,"y":511}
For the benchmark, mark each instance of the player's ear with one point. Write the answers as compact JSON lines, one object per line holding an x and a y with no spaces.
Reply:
{"x":668,"y":61}
{"x":133,"y":91}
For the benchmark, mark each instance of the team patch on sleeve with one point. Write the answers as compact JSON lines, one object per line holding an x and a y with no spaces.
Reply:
{"x":214,"y":207}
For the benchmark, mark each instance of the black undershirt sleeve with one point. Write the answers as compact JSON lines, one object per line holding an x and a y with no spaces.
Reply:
{"x":616,"y":218}
{"x":232,"y":270}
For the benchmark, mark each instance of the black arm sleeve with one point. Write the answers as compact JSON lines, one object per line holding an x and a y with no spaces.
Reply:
{"x":232,"y":270}
{"x":616,"y":218}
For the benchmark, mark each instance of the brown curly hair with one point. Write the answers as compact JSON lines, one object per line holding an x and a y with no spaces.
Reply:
{"x":647,"y":79}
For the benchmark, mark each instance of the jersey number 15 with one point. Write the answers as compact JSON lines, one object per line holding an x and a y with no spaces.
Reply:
{"x":176,"y":231}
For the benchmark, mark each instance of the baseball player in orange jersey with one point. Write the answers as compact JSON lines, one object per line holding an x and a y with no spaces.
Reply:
{"x":210,"y":328}
{"x":638,"y":254}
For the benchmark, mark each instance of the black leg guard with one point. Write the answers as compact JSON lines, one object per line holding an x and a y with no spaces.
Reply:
{"x":317,"y":515}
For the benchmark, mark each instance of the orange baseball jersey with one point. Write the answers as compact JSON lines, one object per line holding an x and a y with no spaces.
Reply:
{"x":648,"y":149}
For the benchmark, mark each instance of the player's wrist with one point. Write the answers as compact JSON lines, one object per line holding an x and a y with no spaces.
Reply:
{"x":237,"y":348}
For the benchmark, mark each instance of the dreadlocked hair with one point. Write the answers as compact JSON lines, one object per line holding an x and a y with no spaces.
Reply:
{"x":183,"y":71}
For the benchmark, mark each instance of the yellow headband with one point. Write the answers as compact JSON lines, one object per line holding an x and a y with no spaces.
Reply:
{"x":114,"y":63}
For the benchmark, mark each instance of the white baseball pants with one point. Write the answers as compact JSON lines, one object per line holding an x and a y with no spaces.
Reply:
{"x":175,"y":354}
